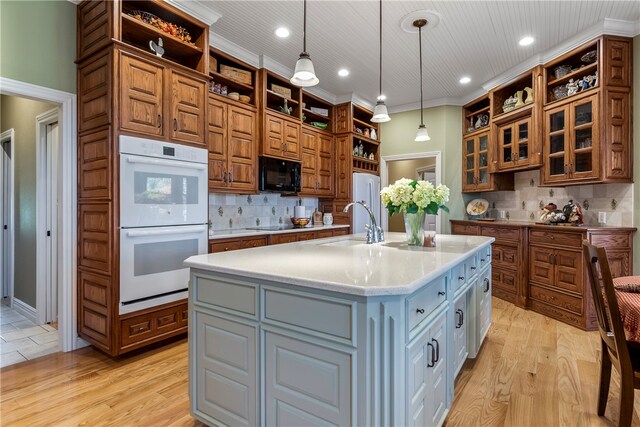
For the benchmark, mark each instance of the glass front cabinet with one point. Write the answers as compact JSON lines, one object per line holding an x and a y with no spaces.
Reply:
{"x":514,"y":144}
{"x":476,"y":163}
{"x":571,"y":142}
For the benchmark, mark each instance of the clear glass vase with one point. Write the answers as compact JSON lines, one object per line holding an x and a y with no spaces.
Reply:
{"x":414,"y":227}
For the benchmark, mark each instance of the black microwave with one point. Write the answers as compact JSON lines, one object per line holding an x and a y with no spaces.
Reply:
{"x":282,"y":176}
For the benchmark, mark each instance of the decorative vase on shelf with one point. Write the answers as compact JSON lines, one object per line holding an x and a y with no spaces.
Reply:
{"x":414,"y":227}
{"x":373,"y":134}
{"x":520,"y":102}
{"x":529,"y":98}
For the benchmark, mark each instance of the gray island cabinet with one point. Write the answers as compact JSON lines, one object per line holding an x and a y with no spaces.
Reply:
{"x":335,"y":331}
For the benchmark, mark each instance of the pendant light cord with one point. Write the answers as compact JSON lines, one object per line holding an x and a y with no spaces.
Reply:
{"x":380,"y":92}
{"x":420,"y":44}
{"x":304,"y":28}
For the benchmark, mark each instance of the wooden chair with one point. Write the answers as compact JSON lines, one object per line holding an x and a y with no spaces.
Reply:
{"x":616,"y":350}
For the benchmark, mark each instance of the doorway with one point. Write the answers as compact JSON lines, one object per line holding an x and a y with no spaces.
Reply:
{"x":7,"y":143}
{"x":424,"y":166}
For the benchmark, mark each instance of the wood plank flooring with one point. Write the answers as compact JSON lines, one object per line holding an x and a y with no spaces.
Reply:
{"x":531,"y":371}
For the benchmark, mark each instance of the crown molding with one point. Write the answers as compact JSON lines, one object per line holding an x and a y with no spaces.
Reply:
{"x":197,"y":9}
{"x":229,"y":47}
{"x":272,"y":65}
{"x":425,"y":104}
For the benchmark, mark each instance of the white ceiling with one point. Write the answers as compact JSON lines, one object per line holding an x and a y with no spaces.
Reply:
{"x":474,"y":38}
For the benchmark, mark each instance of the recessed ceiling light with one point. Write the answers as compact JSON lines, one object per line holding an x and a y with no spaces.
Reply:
{"x":526,"y":41}
{"x":282,"y":32}
{"x":343,"y":72}
{"x":464,"y":80}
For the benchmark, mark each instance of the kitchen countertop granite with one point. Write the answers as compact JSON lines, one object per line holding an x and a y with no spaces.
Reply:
{"x":244,"y":232}
{"x":346,"y":264}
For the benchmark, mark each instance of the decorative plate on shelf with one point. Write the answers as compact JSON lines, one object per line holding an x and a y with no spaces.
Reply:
{"x":589,"y":57}
{"x":477,"y":207}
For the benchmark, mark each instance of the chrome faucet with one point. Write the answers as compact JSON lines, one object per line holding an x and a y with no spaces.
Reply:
{"x":374,"y":232}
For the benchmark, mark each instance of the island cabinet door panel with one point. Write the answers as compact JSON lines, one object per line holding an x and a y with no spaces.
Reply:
{"x":188,"y":107}
{"x":541,"y":267}
{"x":306,"y":383}
{"x":242,"y":149}
{"x":225,"y":371}
{"x":217,"y":141}
{"x":459,"y":352}
{"x":483,"y":313}
{"x":141,"y":96}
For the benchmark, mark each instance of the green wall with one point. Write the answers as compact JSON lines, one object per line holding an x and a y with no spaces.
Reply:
{"x":636,"y":153}
{"x":20,"y":114}
{"x":444,"y":125}
{"x":38,"y":43}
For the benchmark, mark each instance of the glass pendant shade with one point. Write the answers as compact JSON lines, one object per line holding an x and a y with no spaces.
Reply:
{"x":380,"y":113}
{"x":304,"y":74}
{"x":422,"y":134}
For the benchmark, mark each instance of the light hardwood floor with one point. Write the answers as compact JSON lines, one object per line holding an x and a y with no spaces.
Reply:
{"x":531,"y":371}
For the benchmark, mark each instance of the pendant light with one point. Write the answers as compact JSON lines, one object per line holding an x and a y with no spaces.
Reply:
{"x":304,"y":75}
{"x":422,"y":134}
{"x":380,"y":114}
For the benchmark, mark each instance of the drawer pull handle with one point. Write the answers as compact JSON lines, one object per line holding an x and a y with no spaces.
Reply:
{"x":441,"y":293}
{"x":460,"y":277}
{"x":420,"y":310}
{"x":460,"y":320}
{"x":481,"y":259}
{"x":473,"y":268}
{"x":437,"y":350}
{"x":486,"y":282}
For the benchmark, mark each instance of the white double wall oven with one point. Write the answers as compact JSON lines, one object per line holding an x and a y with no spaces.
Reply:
{"x":163,"y":219}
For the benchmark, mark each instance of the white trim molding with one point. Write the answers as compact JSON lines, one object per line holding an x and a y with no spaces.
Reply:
{"x":237,"y":51}
{"x":25,"y":309}
{"x":197,"y":9}
{"x":10,"y":135}
{"x":67,"y":122}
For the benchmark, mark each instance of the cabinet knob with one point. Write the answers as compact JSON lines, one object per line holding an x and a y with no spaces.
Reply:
{"x":460,"y":277}
{"x":473,"y":267}
{"x":420,"y":310}
{"x":441,"y":293}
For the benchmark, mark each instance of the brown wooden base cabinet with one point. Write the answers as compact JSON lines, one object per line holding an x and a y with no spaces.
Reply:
{"x":232,"y":244}
{"x":540,"y":267}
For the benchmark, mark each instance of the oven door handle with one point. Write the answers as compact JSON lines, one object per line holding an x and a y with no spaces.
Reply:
{"x":176,"y":230}
{"x":172,"y":163}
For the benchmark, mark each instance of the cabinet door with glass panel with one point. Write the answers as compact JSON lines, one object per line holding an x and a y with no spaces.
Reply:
{"x":571,"y":142}
{"x":514,"y":144}
{"x":476,"y":163}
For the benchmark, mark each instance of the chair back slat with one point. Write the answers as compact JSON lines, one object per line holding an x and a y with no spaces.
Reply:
{"x":606,"y":304}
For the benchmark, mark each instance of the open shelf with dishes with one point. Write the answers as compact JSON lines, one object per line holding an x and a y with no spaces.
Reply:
{"x":573,"y":73}
{"x":184,"y":39}
{"x":231,"y":77}
{"x":317,"y":112}
{"x":476,"y":115}
{"x":516,"y":94}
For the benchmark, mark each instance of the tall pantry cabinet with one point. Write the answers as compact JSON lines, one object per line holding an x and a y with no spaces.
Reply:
{"x":124,"y":89}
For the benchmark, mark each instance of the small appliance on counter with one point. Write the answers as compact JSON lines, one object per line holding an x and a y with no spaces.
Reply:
{"x":163,"y":219}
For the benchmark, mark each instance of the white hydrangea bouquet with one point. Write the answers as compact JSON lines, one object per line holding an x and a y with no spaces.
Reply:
{"x":411,"y":196}
{"x":414,"y":199}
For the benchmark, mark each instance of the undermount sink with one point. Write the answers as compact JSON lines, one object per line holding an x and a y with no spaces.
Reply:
{"x":348,"y":242}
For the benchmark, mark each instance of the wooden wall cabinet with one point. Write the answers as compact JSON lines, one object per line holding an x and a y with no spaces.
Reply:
{"x":587,"y":135}
{"x":233,"y":146}
{"x":317,"y":163}
{"x":161,"y":102}
{"x":475,"y":168}
{"x":282,"y":137}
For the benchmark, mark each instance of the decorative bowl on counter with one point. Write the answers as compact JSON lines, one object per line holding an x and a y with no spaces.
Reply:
{"x":300,"y":222}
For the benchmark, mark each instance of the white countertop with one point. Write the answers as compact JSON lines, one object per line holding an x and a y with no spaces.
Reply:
{"x":243,"y":232}
{"x":347,"y":264}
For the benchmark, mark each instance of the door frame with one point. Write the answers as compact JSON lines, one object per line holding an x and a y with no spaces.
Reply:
{"x":42,"y":211}
{"x":384,"y":179}
{"x":9,"y":135}
{"x":67,"y":121}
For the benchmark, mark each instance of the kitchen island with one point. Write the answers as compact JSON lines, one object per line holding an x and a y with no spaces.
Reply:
{"x":335,"y":331}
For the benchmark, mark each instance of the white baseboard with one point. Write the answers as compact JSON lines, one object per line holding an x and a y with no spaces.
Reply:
{"x":25,"y":309}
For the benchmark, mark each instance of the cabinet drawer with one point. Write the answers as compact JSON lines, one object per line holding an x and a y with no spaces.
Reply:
{"x":308,"y":235}
{"x":226,"y":294}
{"x":484,"y":256}
{"x":323,"y":234}
{"x":556,"y":299}
{"x":556,"y":238}
{"x":331,"y":317}
{"x":611,"y":240}
{"x":276,"y":239}
{"x":424,"y":301}
{"x":153,"y":326}
{"x":470,"y":230}
{"x":254,"y":242}
{"x":501,"y":233}
{"x":471,"y":265}
{"x":505,"y":255}
{"x":231,"y":245}
{"x":458,"y":276}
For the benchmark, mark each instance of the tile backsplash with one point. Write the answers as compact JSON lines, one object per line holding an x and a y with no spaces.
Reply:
{"x":235,"y":211}
{"x":526,"y":202}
